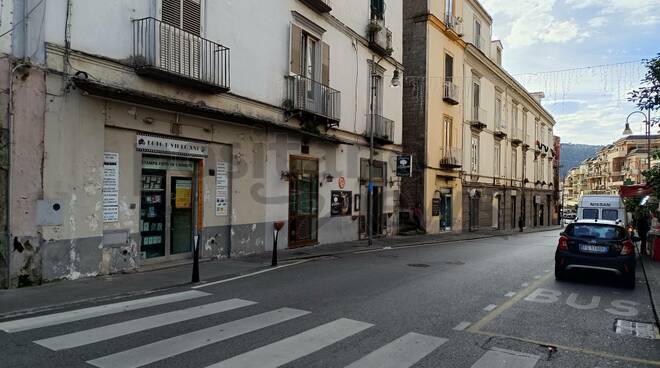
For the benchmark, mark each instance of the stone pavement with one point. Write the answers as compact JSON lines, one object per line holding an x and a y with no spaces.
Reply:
{"x":67,"y":292}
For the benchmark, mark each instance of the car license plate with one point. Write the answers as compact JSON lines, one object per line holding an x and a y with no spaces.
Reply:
{"x":593,"y":248}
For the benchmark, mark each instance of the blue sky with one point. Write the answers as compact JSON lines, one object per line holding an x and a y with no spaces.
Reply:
{"x":589,"y":105}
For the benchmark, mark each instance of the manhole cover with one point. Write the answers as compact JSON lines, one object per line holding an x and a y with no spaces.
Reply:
{"x":418,"y":265}
{"x":638,"y":329}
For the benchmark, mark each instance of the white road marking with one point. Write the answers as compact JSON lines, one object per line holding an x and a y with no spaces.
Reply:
{"x":102,"y":310}
{"x":249,"y":274}
{"x":490,"y":307}
{"x":400,"y":353}
{"x":94,"y":335}
{"x":510,"y":294}
{"x":295,"y":347}
{"x":502,"y":358}
{"x":462,"y":326}
{"x":159,"y":350}
{"x":525,"y":284}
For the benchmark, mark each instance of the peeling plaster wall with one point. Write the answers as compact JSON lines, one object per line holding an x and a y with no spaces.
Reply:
{"x":4,"y":170}
{"x":27,"y":152}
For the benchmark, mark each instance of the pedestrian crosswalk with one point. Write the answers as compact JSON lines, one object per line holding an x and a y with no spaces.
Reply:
{"x":402,"y":352}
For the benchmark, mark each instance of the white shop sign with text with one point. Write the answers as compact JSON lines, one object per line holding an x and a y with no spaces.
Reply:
{"x":169,"y":146}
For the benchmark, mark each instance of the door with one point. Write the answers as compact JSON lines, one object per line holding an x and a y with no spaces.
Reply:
{"x":153,"y":214}
{"x":445,"y":212}
{"x":303,"y":201}
{"x":181,"y":213}
{"x":377,"y":218}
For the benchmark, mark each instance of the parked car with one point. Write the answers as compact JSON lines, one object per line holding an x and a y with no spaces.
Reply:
{"x":599,"y":245}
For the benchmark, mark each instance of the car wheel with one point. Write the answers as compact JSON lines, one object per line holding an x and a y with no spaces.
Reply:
{"x":629,"y":280}
{"x":560,"y":274}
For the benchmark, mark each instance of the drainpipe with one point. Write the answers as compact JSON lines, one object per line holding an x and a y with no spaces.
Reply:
{"x":10,"y":144}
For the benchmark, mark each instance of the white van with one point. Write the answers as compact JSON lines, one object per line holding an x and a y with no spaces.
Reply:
{"x":602,"y":207}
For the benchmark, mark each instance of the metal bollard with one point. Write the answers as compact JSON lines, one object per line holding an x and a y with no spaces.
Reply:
{"x":278,"y":225}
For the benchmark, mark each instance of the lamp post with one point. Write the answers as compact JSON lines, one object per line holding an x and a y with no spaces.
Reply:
{"x":374,"y":90}
{"x":647,"y":124}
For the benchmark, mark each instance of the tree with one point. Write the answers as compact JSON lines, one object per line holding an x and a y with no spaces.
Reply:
{"x":647,"y":96}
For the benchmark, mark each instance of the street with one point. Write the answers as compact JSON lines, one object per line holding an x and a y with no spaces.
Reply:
{"x":480,"y":303}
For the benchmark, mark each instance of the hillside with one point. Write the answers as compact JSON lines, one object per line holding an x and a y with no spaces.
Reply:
{"x":573,"y":154}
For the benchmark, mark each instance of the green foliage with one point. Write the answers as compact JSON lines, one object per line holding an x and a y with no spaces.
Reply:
{"x":647,"y":97}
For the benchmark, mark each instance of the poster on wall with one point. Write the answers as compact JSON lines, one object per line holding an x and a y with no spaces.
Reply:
{"x":183,"y":194}
{"x":404,"y":165}
{"x":222,"y":189}
{"x":435,"y":207}
{"x":340,"y":203}
{"x":110,"y":187}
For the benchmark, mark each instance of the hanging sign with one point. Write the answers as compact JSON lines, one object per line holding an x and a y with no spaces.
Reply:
{"x":169,"y":146}
{"x":110,"y":187}
{"x":222,"y":188}
{"x":404,"y":165}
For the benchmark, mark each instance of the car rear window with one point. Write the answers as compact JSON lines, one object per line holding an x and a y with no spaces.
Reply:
{"x":610,"y":214}
{"x":590,"y":213}
{"x":596,"y":231}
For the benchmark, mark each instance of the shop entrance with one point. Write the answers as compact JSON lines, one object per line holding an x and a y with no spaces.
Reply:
{"x":303,"y":201}
{"x":445,"y":210}
{"x":166,"y":208}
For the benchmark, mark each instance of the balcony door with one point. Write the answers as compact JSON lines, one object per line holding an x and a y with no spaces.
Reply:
{"x":179,"y":37}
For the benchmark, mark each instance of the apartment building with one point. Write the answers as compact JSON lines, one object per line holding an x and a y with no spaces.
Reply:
{"x":510,"y":156}
{"x":614,"y":165}
{"x":145,"y":125}
{"x":433,"y":114}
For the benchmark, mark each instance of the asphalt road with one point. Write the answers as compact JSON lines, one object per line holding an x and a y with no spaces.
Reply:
{"x":482,"y":303}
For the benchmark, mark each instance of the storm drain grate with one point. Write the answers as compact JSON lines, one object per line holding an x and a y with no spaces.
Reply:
{"x":638,"y":329}
{"x":418,"y":265}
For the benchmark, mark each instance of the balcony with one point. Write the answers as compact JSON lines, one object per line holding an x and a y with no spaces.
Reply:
{"x":483,"y":45}
{"x":451,"y":95}
{"x":455,"y":24}
{"x":383,"y":129}
{"x":450,"y":157}
{"x":380,"y":37}
{"x":169,"y":53}
{"x":321,"y":6}
{"x":517,"y":136}
{"x":478,"y":120}
{"x":312,"y":100}
{"x":500,"y":129}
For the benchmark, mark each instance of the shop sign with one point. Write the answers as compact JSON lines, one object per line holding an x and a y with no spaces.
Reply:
{"x":169,"y":146}
{"x":340,"y":203}
{"x":110,"y":187}
{"x":164,"y":163}
{"x":435,"y":207}
{"x":221,"y":188}
{"x":404,"y":165}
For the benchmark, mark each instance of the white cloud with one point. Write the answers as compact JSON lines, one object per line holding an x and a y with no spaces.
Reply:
{"x":637,"y":12}
{"x":597,"y":22}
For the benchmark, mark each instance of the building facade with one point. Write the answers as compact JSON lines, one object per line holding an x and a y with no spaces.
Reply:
{"x":195,"y":119}
{"x":510,"y":157}
{"x":433,"y":56}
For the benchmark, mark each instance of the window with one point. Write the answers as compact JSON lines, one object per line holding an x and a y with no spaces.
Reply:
{"x":514,"y":117}
{"x":377,"y":90}
{"x":449,"y":68}
{"x":475,"y":102}
{"x":514,"y":164}
{"x":498,"y":110}
{"x":499,"y":56}
{"x":184,"y":14}
{"x":498,"y":160}
{"x":378,"y":9}
{"x":449,"y":8}
{"x":590,"y":214}
{"x":308,"y":55}
{"x":525,"y":122}
{"x":610,"y":214}
{"x":474,"y":154}
{"x":477,"y":34}
{"x":446,"y":141}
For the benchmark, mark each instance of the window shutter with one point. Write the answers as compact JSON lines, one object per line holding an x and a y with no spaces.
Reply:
{"x":325,"y":68}
{"x":296,"y":44}
{"x":171,"y":12}
{"x":192,"y":16}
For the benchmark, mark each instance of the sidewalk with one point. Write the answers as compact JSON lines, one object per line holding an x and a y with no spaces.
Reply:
{"x":59,"y":294}
{"x":653,"y":274}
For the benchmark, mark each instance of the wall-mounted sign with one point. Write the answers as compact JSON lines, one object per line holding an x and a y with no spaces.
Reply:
{"x":435,"y":207}
{"x":221,"y":188}
{"x":169,"y":146}
{"x":404,"y":165}
{"x":342,"y":182}
{"x":167,"y":163}
{"x":110,"y":187}
{"x":340,"y":203}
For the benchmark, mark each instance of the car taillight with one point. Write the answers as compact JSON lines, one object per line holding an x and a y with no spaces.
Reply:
{"x":563,"y":243}
{"x":628,"y":248}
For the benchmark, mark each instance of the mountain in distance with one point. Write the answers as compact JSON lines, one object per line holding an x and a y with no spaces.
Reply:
{"x":572,"y":154}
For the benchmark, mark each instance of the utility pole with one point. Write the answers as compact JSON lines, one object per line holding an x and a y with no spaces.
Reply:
{"x":370,"y":188}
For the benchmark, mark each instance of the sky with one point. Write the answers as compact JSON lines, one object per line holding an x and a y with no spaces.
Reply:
{"x":589,"y":104}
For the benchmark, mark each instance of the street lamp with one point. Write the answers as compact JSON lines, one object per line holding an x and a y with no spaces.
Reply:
{"x":647,"y":124}
{"x":395,"y":82}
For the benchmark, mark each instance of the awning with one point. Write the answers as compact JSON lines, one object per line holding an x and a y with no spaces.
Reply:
{"x":635,"y":191}
{"x":104,"y":90}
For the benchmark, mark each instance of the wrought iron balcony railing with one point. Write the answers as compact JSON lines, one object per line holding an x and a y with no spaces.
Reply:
{"x":383,"y":128}
{"x":380,"y":37}
{"x":164,"y":51}
{"x":321,"y":6}
{"x":311,"y":97}
{"x":454,"y":23}
{"x":451,"y":95}
{"x":451,"y":157}
{"x":478,"y":119}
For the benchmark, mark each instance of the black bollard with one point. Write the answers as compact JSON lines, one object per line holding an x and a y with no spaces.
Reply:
{"x":277,"y":226}
{"x":195,"y":274}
